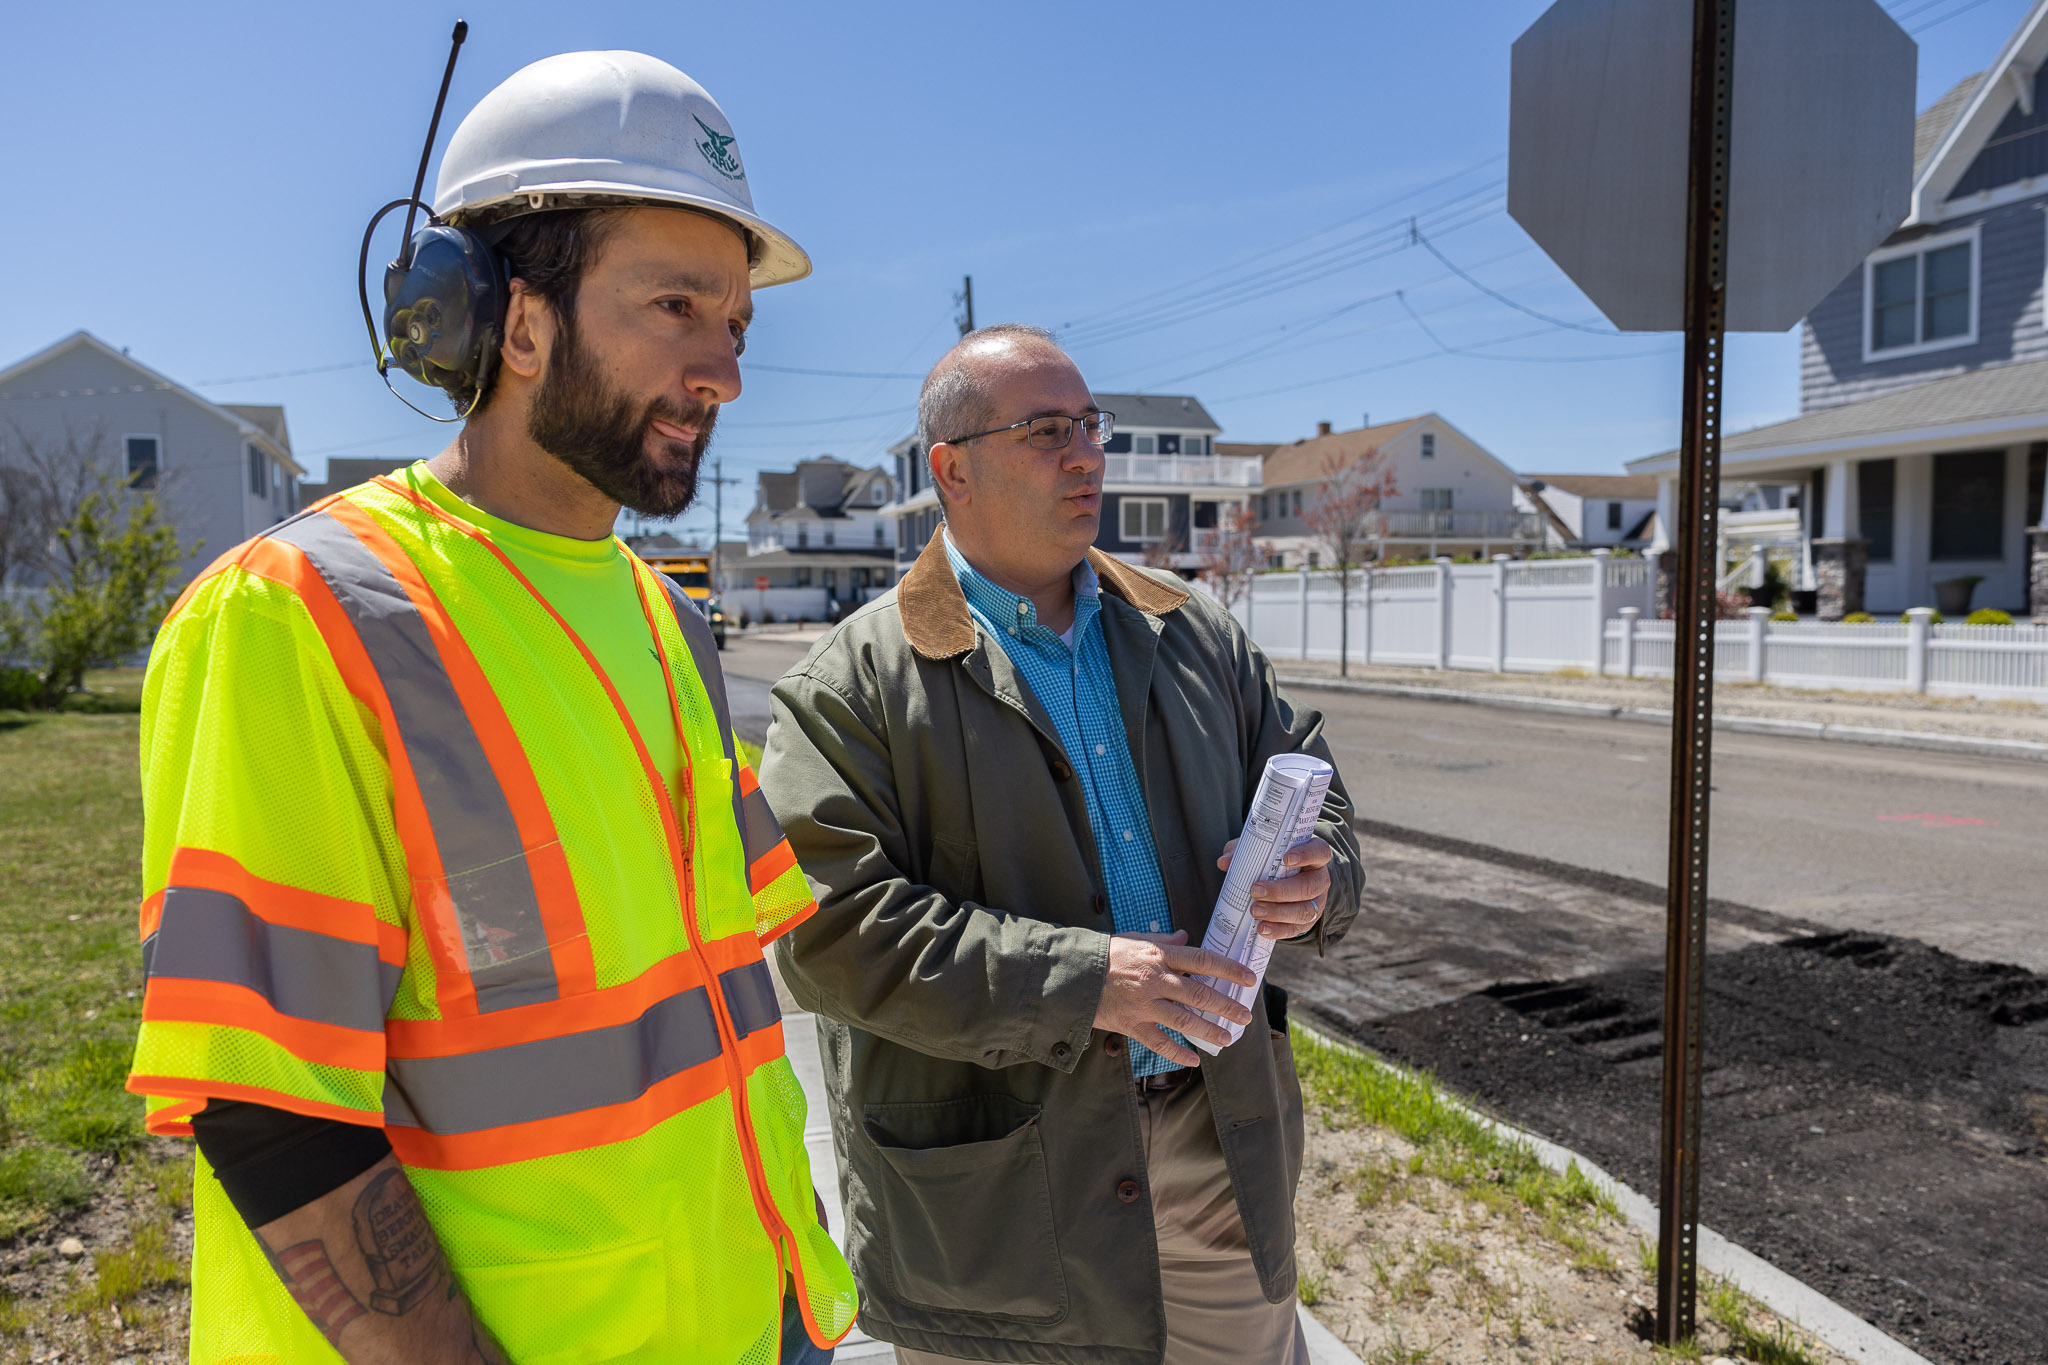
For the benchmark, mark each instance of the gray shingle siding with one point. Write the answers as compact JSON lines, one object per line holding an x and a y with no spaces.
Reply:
{"x":1832,"y":370}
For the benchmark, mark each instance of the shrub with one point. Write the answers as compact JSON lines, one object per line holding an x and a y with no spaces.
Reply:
{"x":1988,"y":616}
{"x":1934,"y":619}
{"x":1784,"y":616}
{"x":1859,"y":618}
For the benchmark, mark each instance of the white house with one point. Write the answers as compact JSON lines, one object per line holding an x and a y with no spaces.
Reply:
{"x":222,"y":471}
{"x":1582,"y":511}
{"x":1917,"y":458}
{"x":819,"y":535}
{"x":1452,"y":496}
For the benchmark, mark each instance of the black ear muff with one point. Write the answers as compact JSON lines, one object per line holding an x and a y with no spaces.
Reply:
{"x":444,"y":308}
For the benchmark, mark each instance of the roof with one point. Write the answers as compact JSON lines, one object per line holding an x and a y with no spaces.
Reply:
{"x":155,"y":382}
{"x":778,"y":489}
{"x":1940,"y":116}
{"x":268,"y":416}
{"x":2001,"y":395}
{"x":1636,"y":486}
{"x":1311,"y":457}
{"x":1157,"y":410}
{"x":1259,"y":449}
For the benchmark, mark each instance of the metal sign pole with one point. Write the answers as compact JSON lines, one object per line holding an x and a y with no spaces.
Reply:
{"x":1692,"y":703}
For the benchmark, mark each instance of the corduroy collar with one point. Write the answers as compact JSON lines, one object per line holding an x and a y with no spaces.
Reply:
{"x":934,"y":610}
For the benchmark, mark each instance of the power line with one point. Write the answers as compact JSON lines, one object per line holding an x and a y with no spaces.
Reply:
{"x":283,"y":374}
{"x":1416,"y":234}
{"x":831,"y":374}
{"x":1954,"y":13}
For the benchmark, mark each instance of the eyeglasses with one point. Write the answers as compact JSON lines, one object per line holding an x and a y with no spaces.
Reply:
{"x":1054,"y":431}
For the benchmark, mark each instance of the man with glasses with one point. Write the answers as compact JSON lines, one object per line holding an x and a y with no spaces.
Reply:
{"x":1013,"y":781}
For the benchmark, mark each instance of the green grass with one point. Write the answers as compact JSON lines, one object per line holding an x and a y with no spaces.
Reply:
{"x":1452,"y":1145}
{"x":71,"y":980}
{"x":147,"y":1262}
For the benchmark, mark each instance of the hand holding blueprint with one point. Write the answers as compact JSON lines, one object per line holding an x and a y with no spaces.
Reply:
{"x":1283,"y":815}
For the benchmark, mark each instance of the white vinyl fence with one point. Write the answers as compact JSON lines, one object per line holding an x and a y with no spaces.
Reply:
{"x":1546,"y":615}
{"x":1526,"y":616}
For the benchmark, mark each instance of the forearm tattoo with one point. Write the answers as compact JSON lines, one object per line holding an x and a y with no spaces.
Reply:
{"x":314,"y":1284}
{"x":399,"y":1245}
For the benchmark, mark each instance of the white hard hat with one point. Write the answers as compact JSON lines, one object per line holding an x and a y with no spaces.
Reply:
{"x":605,"y":128}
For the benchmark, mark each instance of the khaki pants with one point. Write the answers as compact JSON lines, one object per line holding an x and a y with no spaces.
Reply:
{"x":1215,"y":1312}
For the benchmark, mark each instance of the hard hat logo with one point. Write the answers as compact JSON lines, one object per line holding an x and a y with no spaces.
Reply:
{"x":717,"y":149}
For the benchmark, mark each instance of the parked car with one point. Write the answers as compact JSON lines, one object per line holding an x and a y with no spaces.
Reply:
{"x":714,"y":612}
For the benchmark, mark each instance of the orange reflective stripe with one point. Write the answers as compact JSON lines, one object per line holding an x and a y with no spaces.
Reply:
{"x":199,"y":1092}
{"x":174,"y":1119}
{"x":770,"y":865}
{"x":530,"y":1023}
{"x":287,"y":566}
{"x":183,"y":1001}
{"x":554,"y":887}
{"x":285,"y":905}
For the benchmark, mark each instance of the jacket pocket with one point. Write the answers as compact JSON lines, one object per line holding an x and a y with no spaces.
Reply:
{"x":966,"y":1207}
{"x":575,"y":1310}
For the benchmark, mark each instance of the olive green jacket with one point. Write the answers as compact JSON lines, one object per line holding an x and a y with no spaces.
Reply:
{"x":988,"y":1134}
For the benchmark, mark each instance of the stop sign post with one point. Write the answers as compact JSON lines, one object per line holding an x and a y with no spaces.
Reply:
{"x":1735,"y":205}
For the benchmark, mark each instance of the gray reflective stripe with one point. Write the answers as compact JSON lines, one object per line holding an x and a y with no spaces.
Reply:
{"x":552,"y":1076}
{"x":750,"y":997}
{"x":704,"y":654}
{"x":758,"y":826}
{"x":482,"y":857}
{"x":207,"y":935}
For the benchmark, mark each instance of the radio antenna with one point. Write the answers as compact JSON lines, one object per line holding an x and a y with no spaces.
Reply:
{"x":433,"y":129}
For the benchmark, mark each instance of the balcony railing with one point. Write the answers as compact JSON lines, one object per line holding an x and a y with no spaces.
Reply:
{"x":1470,"y":525}
{"x":1221,"y":471}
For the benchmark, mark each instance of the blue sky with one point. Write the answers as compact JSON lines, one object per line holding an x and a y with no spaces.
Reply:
{"x":191,"y":181}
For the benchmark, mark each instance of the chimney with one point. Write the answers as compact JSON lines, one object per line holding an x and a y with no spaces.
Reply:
{"x":1322,"y":428}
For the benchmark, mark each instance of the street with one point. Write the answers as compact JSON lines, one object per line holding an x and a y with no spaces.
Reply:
{"x":1902,"y":841}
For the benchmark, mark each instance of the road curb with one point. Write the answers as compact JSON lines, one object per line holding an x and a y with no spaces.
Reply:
{"x":1791,"y":1299}
{"x":1754,"y":725}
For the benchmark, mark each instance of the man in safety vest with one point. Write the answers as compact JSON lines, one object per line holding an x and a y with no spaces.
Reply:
{"x":455,"y":892}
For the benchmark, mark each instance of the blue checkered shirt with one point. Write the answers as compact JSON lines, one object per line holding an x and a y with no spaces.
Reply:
{"x":1078,"y":690}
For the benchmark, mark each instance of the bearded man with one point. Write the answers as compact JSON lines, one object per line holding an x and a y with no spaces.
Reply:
{"x":455,"y":891}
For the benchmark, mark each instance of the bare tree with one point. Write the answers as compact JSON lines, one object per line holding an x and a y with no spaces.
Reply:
{"x":1228,"y":565}
{"x":43,"y":484}
{"x":1161,"y":553}
{"x":1344,"y":524}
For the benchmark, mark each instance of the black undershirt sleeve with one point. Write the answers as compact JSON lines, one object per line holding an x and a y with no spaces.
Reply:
{"x":271,"y":1161}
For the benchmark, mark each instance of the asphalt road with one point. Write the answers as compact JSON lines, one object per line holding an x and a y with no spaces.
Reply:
{"x":1949,"y":850}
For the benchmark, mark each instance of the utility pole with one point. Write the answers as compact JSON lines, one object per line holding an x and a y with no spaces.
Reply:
{"x":965,"y":298}
{"x":718,"y":483}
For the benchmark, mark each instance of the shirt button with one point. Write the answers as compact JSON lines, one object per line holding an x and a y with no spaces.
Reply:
{"x":1100,"y":749}
{"x":1127,"y":1190}
{"x":1060,"y":1052}
{"x":1128,"y":836}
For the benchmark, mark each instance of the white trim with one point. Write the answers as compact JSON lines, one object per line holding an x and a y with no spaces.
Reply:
{"x":1921,"y":246}
{"x":1123,"y":520}
{"x":1973,"y":127}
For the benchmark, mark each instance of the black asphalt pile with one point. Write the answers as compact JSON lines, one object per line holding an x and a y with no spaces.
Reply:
{"x":1876,"y":1118}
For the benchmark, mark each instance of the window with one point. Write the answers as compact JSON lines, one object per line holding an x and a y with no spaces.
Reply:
{"x":1205,"y":516}
{"x":1614,"y":516}
{"x":1297,"y":502}
{"x":1169,"y":443}
{"x":1119,"y":444}
{"x":1429,"y":445}
{"x":1195,"y":445}
{"x":1922,"y":297}
{"x":259,"y":473}
{"x":828,"y":535}
{"x":1144,"y":445}
{"x":1143,"y":518}
{"x":878,"y":533}
{"x":142,"y":461}
{"x":803,"y":578}
{"x":803,"y":536}
{"x":1876,"y":484}
{"x":1437,"y":499}
{"x":1969,"y":506}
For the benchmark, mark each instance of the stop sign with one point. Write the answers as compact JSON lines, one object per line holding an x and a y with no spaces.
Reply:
{"x":1820,"y":154}
{"x":760,"y":582}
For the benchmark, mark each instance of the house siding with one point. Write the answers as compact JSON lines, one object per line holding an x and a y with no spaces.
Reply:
{"x":1109,"y":538}
{"x":2010,"y":329}
{"x":2016,"y":149}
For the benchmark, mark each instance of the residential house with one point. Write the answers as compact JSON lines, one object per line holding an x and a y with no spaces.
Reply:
{"x":1451,"y":495}
{"x":346,"y":473}
{"x":1918,"y":454}
{"x":1588,"y":511}
{"x":819,"y":535}
{"x":223,"y":472}
{"x":1167,"y":487}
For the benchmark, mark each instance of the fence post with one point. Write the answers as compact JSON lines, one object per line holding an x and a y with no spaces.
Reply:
{"x":1500,"y":613}
{"x":1757,"y":617}
{"x":1600,"y":558}
{"x":1919,"y":627}
{"x":1302,"y":583}
{"x":1443,"y":611}
{"x":1365,"y":586}
{"x":1628,"y":640}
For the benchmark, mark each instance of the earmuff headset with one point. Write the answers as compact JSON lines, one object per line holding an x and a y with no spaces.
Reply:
{"x":445,"y":295}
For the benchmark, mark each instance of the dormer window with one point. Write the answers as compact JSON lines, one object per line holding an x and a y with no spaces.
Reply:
{"x":1921,"y":296}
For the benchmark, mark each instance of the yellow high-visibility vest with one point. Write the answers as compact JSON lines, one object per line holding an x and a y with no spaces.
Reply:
{"x":408,"y":864}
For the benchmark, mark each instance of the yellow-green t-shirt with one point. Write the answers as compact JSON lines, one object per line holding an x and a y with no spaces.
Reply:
{"x":590,"y":583}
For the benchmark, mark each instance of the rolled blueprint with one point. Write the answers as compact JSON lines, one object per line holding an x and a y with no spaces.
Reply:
{"x":1283,"y":815}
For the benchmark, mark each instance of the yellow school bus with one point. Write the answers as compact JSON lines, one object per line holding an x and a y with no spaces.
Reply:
{"x":690,"y":570}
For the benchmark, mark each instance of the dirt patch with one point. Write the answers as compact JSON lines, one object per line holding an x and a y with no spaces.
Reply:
{"x":1876,"y":1122}
{"x":1405,"y":1267}
{"x":123,"y":1297}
